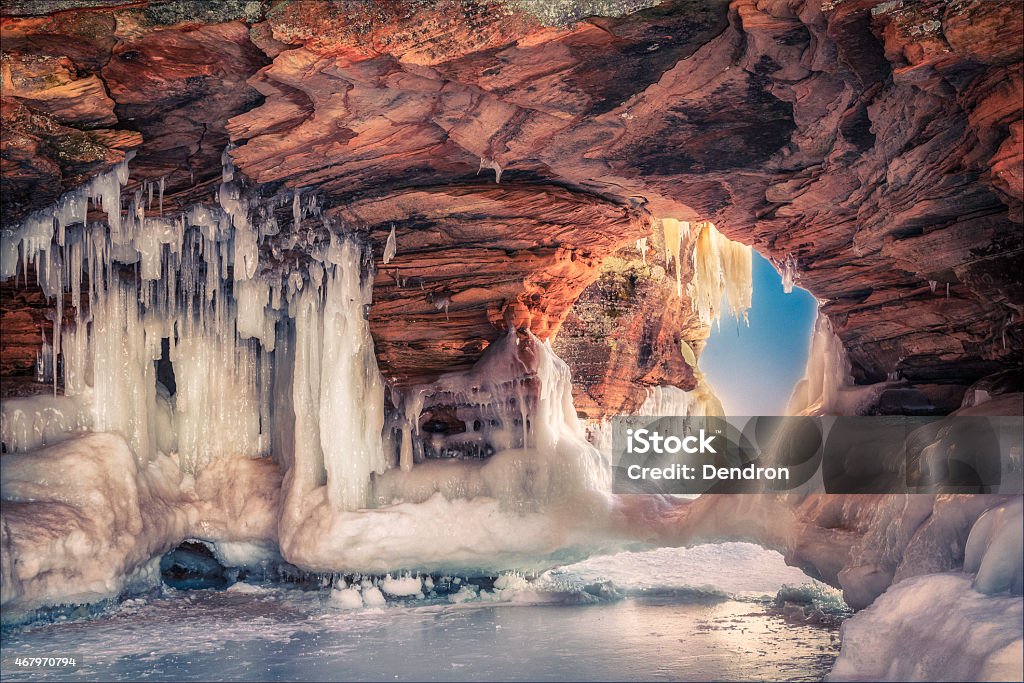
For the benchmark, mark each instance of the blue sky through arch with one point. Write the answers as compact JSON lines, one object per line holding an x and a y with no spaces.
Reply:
{"x":753,"y":369}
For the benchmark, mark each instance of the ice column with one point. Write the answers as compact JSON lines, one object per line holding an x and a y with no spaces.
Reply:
{"x":337,"y":390}
{"x":351,"y":387}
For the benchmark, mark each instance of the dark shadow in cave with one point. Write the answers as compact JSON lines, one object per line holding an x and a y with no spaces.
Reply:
{"x":164,"y":367}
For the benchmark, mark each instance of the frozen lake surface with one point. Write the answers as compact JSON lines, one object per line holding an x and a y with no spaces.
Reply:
{"x":669,"y":626}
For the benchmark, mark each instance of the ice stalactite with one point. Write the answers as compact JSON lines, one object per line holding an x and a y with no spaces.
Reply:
{"x":641,"y":246}
{"x":787,"y":270}
{"x":492,"y":165}
{"x":676,"y":232}
{"x":827,"y":387}
{"x":721,"y":268}
{"x":390,"y":247}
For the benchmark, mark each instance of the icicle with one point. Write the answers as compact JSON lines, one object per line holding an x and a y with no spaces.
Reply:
{"x":932,"y":285}
{"x":641,"y":246}
{"x":297,"y":210}
{"x":227,"y":166}
{"x":720,"y":267}
{"x":390,"y":247}
{"x":674,"y":231}
{"x":947,"y":290}
{"x":441,"y":302}
{"x":492,"y":165}
{"x":788,"y":273}
{"x":44,"y":360}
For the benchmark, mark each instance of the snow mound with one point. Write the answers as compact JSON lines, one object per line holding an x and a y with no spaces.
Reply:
{"x":404,"y":586}
{"x":347,"y":598}
{"x":934,"y":628}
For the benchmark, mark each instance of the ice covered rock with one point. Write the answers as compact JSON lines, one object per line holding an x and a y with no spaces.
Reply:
{"x":995,"y":550}
{"x":82,"y":521}
{"x":934,"y":628}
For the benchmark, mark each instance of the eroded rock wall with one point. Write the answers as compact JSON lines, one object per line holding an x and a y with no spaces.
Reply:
{"x":878,"y":144}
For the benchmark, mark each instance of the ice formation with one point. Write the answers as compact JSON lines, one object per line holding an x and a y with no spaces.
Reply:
{"x":261,"y":363}
{"x":787,"y":269}
{"x":995,"y":550}
{"x":207,"y":361}
{"x":934,"y":627}
{"x":827,"y":387}
{"x":669,"y":400}
{"x":31,"y":422}
{"x":675,"y":232}
{"x":390,"y":247}
{"x":84,"y":520}
{"x":491,"y":165}
{"x":720,"y":269}
{"x":641,"y":246}
{"x":488,"y":470}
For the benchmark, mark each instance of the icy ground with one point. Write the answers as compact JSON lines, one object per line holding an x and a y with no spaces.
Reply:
{"x":680,"y":622}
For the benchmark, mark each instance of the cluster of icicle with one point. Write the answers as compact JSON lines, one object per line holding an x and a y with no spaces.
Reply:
{"x":262,"y":362}
{"x":720,"y":268}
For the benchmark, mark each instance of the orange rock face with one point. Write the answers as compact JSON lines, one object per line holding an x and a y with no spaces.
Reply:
{"x":878,"y":144}
{"x":473,"y":259}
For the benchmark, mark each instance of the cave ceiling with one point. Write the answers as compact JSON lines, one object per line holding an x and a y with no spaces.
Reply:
{"x":878,"y":144}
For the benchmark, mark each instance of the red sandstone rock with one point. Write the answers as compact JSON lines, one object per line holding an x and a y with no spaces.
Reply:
{"x":880,"y":144}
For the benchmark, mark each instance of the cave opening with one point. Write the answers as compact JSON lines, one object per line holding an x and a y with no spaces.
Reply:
{"x":769,"y":353}
{"x":193,"y":566}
